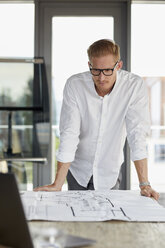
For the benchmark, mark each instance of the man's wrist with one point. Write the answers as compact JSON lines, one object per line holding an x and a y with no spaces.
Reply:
{"x":142,"y":184}
{"x":58,"y":184}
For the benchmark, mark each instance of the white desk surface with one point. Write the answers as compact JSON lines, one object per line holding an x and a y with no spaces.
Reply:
{"x":114,"y":234}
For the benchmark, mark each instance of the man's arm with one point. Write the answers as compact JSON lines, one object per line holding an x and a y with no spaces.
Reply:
{"x":62,"y":170}
{"x":70,"y":120}
{"x":142,"y":171}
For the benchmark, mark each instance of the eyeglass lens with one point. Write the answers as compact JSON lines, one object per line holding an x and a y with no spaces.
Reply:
{"x":97,"y":72}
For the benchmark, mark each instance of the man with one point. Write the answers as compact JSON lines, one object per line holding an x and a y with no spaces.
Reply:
{"x":100,"y":108}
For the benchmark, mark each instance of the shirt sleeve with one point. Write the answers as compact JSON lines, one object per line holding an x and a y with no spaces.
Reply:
{"x":138,"y":121}
{"x":69,"y":126}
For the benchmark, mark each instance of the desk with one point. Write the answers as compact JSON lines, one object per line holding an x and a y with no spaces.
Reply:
{"x":115,"y":234}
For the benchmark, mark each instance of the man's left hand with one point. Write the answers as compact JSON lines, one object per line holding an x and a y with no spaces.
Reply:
{"x":149,"y":192}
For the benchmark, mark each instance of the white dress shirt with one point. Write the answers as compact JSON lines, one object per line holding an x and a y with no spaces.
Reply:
{"x":93,"y":129}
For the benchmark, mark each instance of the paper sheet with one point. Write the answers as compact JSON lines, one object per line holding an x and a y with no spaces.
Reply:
{"x":91,"y":205}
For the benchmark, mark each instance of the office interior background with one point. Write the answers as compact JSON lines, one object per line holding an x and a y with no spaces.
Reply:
{"x":43,"y":43}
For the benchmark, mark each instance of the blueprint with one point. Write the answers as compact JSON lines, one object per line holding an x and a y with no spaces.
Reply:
{"x":125,"y":205}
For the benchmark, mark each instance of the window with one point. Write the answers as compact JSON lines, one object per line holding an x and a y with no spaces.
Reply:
{"x":17,"y":30}
{"x":148,"y":52}
{"x":17,"y":40}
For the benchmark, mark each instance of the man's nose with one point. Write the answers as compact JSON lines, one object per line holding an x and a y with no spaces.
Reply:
{"x":101,"y":76}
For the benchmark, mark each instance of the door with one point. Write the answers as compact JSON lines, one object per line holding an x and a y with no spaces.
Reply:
{"x":49,"y":16}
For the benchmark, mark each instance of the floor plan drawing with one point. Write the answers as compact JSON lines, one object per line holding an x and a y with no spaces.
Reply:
{"x":91,"y":206}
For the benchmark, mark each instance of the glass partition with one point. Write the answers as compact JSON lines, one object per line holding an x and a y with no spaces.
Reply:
{"x":24,"y":116}
{"x":16,"y":88}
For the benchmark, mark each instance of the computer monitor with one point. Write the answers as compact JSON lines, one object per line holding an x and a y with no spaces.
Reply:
{"x":14,"y":230}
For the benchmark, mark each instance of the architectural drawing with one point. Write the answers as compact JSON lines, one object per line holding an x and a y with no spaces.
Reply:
{"x":91,"y":206}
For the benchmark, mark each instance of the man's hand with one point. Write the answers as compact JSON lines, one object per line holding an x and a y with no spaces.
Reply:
{"x":62,"y":170}
{"x":142,"y":171}
{"x":149,"y":192}
{"x":50,"y":187}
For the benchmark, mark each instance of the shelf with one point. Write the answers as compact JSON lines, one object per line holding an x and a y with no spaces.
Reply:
{"x":21,"y":108}
{"x":24,"y":159}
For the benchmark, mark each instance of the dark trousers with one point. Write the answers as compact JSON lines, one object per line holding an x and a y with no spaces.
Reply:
{"x":73,"y":184}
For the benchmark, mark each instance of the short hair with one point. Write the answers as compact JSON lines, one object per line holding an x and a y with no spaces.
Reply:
{"x":104,"y":47}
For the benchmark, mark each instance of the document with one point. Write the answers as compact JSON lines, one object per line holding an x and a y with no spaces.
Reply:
{"x":125,"y":205}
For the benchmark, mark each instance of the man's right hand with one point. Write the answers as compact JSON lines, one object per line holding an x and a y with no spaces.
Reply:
{"x":50,"y":187}
{"x":62,"y":170}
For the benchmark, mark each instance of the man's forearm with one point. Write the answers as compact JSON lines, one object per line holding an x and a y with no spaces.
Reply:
{"x":142,"y":170}
{"x":62,"y":170}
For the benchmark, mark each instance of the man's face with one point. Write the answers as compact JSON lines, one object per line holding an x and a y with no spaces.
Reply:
{"x":104,"y":83}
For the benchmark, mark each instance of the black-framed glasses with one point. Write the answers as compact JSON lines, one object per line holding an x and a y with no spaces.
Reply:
{"x":106,"y":72}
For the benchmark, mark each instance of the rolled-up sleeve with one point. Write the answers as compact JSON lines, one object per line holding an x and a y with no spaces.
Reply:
{"x":69,"y":126}
{"x":138,"y":121}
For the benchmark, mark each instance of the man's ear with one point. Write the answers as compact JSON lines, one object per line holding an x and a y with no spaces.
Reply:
{"x":120,"y":65}
{"x":89,"y":63}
